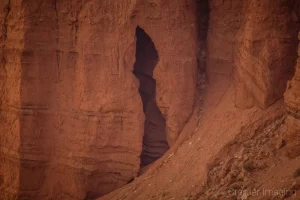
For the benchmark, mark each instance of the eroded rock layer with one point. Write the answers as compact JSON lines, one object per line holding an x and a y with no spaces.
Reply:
{"x":224,"y":23}
{"x":72,"y":119}
{"x":11,"y":48}
{"x":292,"y":100}
{"x":172,"y":27}
{"x":266,"y":52}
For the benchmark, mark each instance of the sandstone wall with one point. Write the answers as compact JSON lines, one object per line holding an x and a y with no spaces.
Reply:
{"x":11,"y":46}
{"x":265,"y":52}
{"x":172,"y":27}
{"x":71,"y":115}
{"x":224,"y":23}
{"x":80,"y":118}
{"x":292,"y":100}
{"x":71,"y":120}
{"x":254,"y":43}
{"x":101,"y":115}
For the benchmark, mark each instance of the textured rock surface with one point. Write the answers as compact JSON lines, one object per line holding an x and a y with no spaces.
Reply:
{"x":72,"y":121}
{"x":98,"y":143}
{"x":71,"y":115}
{"x":292,"y":100}
{"x":183,"y":171}
{"x":266,"y":52}
{"x":224,"y":22}
{"x":172,"y":27}
{"x":202,"y":27}
{"x":11,"y":45}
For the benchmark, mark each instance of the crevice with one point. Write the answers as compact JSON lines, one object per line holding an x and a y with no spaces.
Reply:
{"x":154,"y":141}
{"x":5,"y":20}
{"x":202,"y":13}
{"x":3,"y":61}
{"x":57,"y":41}
{"x":57,"y":25}
{"x":76,"y":24}
{"x":5,"y":23}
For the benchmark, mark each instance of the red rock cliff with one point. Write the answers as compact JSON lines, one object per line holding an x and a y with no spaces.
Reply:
{"x":292,"y":100}
{"x":71,"y":116}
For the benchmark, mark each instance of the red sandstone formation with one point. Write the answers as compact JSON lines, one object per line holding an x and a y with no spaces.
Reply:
{"x":292,"y":100}
{"x":154,"y":140}
{"x":266,"y":52}
{"x":93,"y":90}
{"x":71,"y":114}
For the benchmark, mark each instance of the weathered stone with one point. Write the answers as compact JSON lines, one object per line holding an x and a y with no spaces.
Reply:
{"x":224,"y":23}
{"x":292,"y":101}
{"x":70,"y":108}
{"x":265,"y":53}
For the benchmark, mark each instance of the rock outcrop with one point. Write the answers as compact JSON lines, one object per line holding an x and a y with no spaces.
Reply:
{"x":266,"y":52}
{"x":72,"y":118}
{"x":292,"y":101}
{"x":11,"y":43}
{"x":78,"y":109}
{"x":172,"y":28}
{"x":224,"y":23}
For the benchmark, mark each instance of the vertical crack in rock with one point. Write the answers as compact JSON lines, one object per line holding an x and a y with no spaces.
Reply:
{"x":57,"y":41}
{"x":76,"y":27}
{"x":76,"y":22}
{"x":5,"y":24}
{"x":264,"y":57}
{"x":5,"y":20}
{"x":202,"y":30}
{"x":57,"y":25}
{"x":154,"y":140}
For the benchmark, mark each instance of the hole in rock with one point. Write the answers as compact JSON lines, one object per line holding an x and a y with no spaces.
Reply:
{"x":154,"y":141}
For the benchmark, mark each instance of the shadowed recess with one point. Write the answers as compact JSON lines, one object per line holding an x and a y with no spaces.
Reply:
{"x":154,"y":140}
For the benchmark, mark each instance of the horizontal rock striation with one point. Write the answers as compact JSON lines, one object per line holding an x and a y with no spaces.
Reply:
{"x":72,"y":119}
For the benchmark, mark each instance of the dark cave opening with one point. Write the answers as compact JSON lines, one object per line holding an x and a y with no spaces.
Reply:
{"x":154,"y":140}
